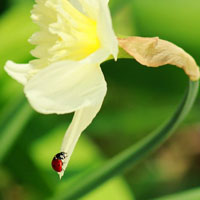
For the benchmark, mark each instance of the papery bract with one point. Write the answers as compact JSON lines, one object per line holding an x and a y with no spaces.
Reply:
{"x":154,"y":52}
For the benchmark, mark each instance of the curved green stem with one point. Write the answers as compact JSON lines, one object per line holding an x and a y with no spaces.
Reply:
{"x":136,"y":152}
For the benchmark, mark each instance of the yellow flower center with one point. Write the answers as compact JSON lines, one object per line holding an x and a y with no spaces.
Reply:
{"x":83,"y":31}
{"x":71,"y":35}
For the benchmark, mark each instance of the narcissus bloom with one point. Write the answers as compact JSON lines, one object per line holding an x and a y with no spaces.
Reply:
{"x":75,"y":37}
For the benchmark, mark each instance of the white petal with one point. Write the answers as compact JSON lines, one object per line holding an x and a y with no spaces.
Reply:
{"x":77,"y":5}
{"x":20,"y":72}
{"x":105,"y":29}
{"x":66,"y":86}
{"x":81,"y":120}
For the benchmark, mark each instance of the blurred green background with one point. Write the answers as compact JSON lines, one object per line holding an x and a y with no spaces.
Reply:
{"x":138,"y":100}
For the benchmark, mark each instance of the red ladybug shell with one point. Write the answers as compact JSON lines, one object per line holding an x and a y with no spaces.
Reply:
{"x":57,"y":165}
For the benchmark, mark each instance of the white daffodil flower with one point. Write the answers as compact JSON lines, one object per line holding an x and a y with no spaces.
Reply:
{"x":75,"y":37}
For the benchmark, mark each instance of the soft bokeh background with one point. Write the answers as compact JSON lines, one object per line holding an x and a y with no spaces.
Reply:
{"x":138,"y":100}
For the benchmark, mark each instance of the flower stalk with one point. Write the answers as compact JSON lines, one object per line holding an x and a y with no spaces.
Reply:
{"x":135,"y":153}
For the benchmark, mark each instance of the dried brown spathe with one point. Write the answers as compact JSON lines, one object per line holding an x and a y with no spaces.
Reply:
{"x":154,"y":52}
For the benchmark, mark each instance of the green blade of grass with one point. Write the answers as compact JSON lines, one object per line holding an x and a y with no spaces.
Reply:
{"x":16,"y":112}
{"x":135,"y":153}
{"x":12,"y":124}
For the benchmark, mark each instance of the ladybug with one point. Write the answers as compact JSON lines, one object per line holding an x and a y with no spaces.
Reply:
{"x":57,"y":161}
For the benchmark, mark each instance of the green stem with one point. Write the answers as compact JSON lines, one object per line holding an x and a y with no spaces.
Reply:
{"x":136,"y":152}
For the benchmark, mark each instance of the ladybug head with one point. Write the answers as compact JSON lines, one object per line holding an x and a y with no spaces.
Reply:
{"x":61,"y":156}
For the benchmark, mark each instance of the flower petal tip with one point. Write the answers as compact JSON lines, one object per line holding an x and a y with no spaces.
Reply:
{"x":60,"y":174}
{"x":19,"y":72}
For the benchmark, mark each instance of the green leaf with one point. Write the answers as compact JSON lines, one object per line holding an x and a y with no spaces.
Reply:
{"x":136,"y":152}
{"x":12,"y":124}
